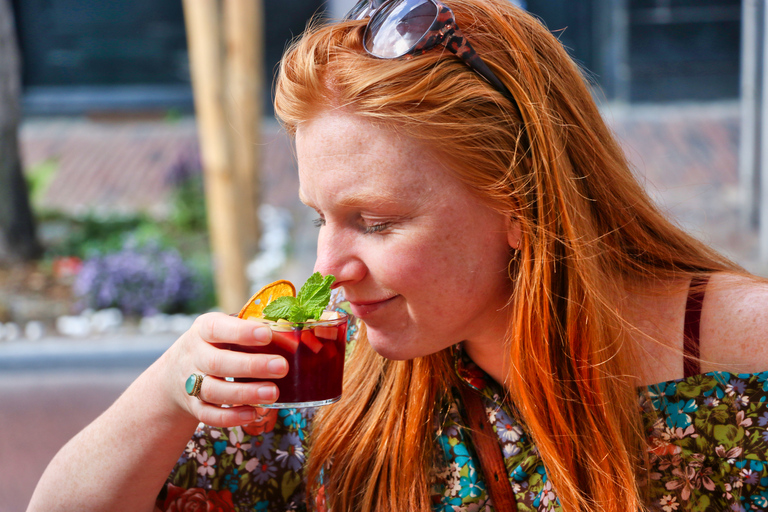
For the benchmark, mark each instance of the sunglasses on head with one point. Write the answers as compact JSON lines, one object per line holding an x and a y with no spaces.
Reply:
{"x":397,"y":28}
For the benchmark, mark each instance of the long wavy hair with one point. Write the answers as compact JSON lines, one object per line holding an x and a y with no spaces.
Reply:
{"x":589,"y":233}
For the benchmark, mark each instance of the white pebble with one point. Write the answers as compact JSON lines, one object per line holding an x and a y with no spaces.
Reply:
{"x":155,"y":324}
{"x":181,"y":323}
{"x":74,"y":326}
{"x":106,"y":320}
{"x":12,"y":331}
{"x":34,"y":330}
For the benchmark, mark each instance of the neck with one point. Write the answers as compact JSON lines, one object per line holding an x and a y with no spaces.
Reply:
{"x":490,"y":356}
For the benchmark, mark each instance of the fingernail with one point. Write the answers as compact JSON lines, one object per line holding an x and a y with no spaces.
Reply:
{"x":247,"y":415}
{"x":276,"y":366}
{"x":262,"y":334}
{"x":267,"y":393}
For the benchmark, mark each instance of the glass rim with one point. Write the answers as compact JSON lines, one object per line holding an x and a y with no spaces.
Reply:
{"x":313,"y":323}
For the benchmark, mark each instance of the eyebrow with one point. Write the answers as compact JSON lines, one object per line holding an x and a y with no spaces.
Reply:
{"x":359,"y":199}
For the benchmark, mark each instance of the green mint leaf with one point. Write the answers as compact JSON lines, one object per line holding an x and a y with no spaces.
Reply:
{"x":315,"y":295}
{"x":312,"y":300}
{"x":298,"y":314}
{"x":281,"y":307}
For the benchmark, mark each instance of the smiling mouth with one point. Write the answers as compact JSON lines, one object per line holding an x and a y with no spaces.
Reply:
{"x":363,"y":309}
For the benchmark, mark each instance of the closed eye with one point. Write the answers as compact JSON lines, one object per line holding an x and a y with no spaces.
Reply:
{"x":376,"y":228}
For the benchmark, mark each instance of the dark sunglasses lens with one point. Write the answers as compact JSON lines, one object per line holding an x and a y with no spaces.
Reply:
{"x":398,"y":26}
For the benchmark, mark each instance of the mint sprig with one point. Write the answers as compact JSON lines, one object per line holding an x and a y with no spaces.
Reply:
{"x":312,"y":299}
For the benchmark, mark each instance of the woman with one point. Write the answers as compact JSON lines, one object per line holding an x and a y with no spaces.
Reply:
{"x":509,"y":272}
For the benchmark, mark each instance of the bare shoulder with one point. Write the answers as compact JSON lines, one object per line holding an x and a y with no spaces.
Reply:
{"x":734,"y":324}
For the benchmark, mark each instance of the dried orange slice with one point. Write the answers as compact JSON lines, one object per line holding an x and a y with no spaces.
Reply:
{"x":257,"y":303}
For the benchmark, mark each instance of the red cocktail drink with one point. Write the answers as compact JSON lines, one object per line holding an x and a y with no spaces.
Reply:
{"x":315,"y":354}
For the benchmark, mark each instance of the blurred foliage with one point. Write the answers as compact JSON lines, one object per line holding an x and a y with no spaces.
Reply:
{"x":173,"y":270}
{"x":39,"y":178}
{"x":188,"y":213}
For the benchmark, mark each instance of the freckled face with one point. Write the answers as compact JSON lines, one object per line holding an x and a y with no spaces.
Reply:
{"x":422,"y":261}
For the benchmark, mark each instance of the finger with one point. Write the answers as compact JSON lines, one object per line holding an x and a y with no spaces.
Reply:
{"x":216,"y":416}
{"x":221,"y":328}
{"x":227,"y":363}
{"x":220,"y":392}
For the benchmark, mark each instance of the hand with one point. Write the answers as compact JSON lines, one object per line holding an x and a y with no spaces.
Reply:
{"x":202,"y":350}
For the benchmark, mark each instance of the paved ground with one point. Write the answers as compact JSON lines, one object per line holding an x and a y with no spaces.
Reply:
{"x":686,"y":155}
{"x":39,"y":412}
{"x":50,"y":390}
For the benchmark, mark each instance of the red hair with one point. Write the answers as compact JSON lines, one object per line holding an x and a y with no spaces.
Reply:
{"x":589,"y":233}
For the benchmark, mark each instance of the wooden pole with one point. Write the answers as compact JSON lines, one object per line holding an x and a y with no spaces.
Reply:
{"x":244,"y":50}
{"x":206,"y":54}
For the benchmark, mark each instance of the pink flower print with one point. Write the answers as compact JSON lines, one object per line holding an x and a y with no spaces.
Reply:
{"x":669,"y":503}
{"x":207,"y":463}
{"x":679,"y":433}
{"x":732,"y":454}
{"x":237,"y":446}
{"x":666,"y":462}
{"x":547,"y":495}
{"x":693,"y":476}
{"x":727,"y":494}
{"x":251,"y":464}
{"x":740,"y":420}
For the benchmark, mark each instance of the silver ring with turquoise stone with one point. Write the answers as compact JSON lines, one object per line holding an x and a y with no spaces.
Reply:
{"x":194,"y":384}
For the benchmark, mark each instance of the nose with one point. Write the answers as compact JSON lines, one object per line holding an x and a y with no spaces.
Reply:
{"x":337,"y":254}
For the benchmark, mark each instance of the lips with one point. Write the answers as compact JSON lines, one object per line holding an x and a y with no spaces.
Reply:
{"x":361,"y":309}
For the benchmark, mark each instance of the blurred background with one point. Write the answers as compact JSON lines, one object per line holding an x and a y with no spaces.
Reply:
{"x":129,"y":129}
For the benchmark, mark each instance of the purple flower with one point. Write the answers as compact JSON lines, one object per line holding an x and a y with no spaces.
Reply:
{"x":291,"y":452}
{"x":186,"y":167}
{"x":143,"y":281}
{"x":262,"y":445}
{"x":263,"y":470}
{"x":738,"y":385}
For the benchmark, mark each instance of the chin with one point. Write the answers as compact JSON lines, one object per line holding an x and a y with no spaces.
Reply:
{"x":388,"y":351}
{"x":396,"y":348}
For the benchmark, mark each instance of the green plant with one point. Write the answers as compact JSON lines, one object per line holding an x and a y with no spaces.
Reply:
{"x":91,"y":235}
{"x":39,"y":178}
{"x":188,"y":211}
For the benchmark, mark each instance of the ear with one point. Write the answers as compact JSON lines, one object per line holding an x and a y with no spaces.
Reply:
{"x":514,"y":233}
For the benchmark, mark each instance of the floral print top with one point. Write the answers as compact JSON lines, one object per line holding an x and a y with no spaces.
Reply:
{"x":707,"y":442}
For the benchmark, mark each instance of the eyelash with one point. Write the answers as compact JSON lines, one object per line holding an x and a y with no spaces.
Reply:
{"x":375,"y":228}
